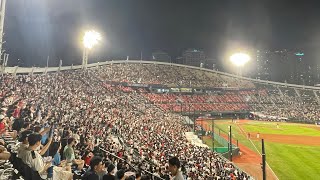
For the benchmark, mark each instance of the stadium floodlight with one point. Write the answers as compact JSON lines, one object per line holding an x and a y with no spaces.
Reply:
{"x":240,"y":59}
{"x":90,"y":39}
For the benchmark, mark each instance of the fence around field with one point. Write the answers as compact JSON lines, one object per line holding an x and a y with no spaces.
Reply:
{"x":222,"y":138}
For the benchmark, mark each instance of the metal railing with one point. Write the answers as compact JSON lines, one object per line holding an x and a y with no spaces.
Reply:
{"x":132,"y":166}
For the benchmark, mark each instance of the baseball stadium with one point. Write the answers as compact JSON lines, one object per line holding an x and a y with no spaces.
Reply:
{"x":127,"y":113}
{"x":141,"y":113}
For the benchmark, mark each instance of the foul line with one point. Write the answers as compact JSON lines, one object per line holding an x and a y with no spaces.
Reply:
{"x":257,"y":151}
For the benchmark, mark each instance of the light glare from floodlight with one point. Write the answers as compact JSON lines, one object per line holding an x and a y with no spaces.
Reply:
{"x":239,"y":59}
{"x":91,"y":38}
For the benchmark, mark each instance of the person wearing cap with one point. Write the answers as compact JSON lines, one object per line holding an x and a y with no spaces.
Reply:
{"x":110,"y":175}
{"x":23,"y":138}
{"x":174,"y":165}
{"x":33,"y":159}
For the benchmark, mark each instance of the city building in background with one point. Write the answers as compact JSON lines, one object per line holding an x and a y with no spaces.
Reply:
{"x":161,"y":56}
{"x":179,"y":60}
{"x":283,"y":66}
{"x":211,"y":63}
{"x":316,"y":73}
{"x":193,"y":57}
{"x":263,"y":65}
{"x":301,"y":71}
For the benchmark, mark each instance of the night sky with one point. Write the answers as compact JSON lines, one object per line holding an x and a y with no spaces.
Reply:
{"x":35,"y":29}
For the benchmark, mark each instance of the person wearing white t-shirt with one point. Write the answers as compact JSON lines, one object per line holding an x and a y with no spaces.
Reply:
{"x":33,"y":159}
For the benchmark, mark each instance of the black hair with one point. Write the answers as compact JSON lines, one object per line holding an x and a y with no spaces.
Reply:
{"x":138,"y":174}
{"x":130,"y":178}
{"x":26,"y":124}
{"x":110,"y":168}
{"x":24,"y":135}
{"x":119,"y":165}
{"x":70,"y":140}
{"x":174,"y":161}
{"x":34,"y":138}
{"x":145,"y":177}
{"x":95,"y":161}
{"x":120,"y":174}
{"x":37,"y":129}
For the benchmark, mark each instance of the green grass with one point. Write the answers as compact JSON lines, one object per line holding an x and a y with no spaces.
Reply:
{"x":236,"y":133}
{"x":284,"y":129}
{"x":288,"y":161}
{"x":293,"y":161}
{"x":208,"y":141}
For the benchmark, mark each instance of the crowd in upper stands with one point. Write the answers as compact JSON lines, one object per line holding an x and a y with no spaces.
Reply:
{"x":169,"y":75}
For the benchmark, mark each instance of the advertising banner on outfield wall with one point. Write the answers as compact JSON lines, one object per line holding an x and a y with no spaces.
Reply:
{"x":186,"y":90}
{"x":174,"y":89}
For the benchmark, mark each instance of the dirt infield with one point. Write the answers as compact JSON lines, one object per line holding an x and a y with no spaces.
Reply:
{"x":255,"y":170}
{"x":249,"y":161}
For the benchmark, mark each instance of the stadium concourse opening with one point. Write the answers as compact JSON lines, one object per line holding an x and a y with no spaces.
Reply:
{"x":134,"y":115}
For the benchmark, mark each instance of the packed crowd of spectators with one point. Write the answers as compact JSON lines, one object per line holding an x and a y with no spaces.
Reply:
{"x":72,"y":123}
{"x":169,"y":75}
{"x":265,"y":101}
{"x":298,"y":106}
{"x":290,"y":103}
{"x":76,"y":123}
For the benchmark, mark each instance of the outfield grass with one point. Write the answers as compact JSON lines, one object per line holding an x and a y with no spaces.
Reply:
{"x":288,"y":161}
{"x":284,"y":129}
{"x":293,"y":161}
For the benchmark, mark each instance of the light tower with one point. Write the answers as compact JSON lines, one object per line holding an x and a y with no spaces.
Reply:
{"x":2,"y":14}
{"x":239,"y":60}
{"x":90,"y":39}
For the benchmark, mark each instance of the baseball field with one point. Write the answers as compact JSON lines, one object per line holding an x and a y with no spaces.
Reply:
{"x":292,"y":150}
